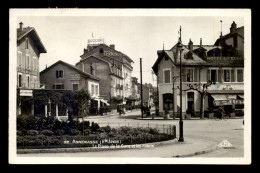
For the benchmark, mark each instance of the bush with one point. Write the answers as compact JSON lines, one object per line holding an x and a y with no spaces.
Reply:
{"x":106,"y":129}
{"x":94,"y":127}
{"x":74,"y":132}
{"x":47,"y":132}
{"x":87,"y":132}
{"x":59,"y":132}
{"x":19,"y":133}
{"x":32,"y":132}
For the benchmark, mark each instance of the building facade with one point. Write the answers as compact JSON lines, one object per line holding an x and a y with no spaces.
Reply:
{"x":222,"y":64}
{"x":29,"y":48}
{"x":112,"y":67}
{"x":64,"y":76}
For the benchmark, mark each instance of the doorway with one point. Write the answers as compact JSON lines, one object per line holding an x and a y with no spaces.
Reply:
{"x":190,"y":103}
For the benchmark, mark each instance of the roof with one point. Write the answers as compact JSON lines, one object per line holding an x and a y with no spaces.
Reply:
{"x":72,"y":67}
{"x":239,"y":32}
{"x":34,"y":35}
{"x":124,"y":55}
{"x":111,"y":71}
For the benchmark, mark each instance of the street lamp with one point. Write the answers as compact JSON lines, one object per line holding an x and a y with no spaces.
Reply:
{"x":181,"y":139}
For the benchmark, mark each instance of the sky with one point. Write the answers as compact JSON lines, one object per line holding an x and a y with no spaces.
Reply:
{"x":65,"y":37}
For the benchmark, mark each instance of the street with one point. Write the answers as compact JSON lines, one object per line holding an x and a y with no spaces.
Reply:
{"x":198,"y":135}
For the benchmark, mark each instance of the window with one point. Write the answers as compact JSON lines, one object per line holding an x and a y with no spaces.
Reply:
{"x":96,"y":89}
{"x":27,"y":61}
{"x":167,"y":76}
{"x":59,"y":73}
{"x":28,"y":81}
{"x":75,"y":87}
{"x":189,"y":75}
{"x":101,"y":50}
{"x":91,"y":69}
{"x":19,"y":60}
{"x":34,"y":63}
{"x":59,"y":86}
{"x":92,"y":89}
{"x":240,"y":75}
{"x":20,"y":80}
{"x":227,"y":75}
{"x":213,"y":75}
{"x":27,"y":43}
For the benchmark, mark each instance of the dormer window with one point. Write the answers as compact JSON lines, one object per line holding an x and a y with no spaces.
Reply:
{"x":101,"y":50}
{"x":188,"y":55}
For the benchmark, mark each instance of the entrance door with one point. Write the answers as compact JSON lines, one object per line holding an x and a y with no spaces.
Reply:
{"x":168,"y":101}
{"x":190,"y":97}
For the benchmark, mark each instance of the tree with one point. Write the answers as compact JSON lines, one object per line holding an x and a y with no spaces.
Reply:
{"x":203,"y":93}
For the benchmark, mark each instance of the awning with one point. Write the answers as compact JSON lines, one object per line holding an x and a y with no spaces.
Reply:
{"x":105,"y":101}
{"x":240,"y":96}
{"x":222,"y":100}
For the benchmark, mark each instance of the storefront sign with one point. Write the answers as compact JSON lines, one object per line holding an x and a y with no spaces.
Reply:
{"x":224,"y":58}
{"x":26,"y":93}
{"x":228,"y":102}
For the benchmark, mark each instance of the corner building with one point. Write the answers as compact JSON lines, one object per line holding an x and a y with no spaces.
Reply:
{"x":221,"y":63}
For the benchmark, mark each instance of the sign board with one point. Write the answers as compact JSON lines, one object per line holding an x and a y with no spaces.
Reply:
{"x":109,"y":53}
{"x":26,"y":93}
{"x":228,"y":102}
{"x":95,"y":41}
{"x":224,"y":58}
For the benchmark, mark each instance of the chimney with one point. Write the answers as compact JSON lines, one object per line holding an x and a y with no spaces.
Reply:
{"x":233,"y":27}
{"x":85,"y":50}
{"x":21,"y":26}
{"x":191,"y":45}
{"x":200,"y":42}
{"x":112,"y":46}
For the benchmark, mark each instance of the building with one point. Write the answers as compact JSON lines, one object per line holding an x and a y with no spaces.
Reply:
{"x":29,"y":48}
{"x":111,"y":66}
{"x":136,"y":97}
{"x":64,"y":76}
{"x":221,"y":63}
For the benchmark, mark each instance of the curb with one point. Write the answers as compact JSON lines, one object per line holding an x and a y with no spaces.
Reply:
{"x":90,"y":149}
{"x":215,"y":147}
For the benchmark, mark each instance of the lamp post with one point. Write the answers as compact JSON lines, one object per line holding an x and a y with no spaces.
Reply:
{"x":181,"y":139}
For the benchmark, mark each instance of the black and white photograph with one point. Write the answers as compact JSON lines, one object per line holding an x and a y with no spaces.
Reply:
{"x":130,"y":86}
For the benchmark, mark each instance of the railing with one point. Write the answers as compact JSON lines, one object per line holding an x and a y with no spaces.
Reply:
{"x":162,"y":128}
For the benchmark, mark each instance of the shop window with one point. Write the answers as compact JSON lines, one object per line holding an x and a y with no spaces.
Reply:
{"x":59,"y":73}
{"x":167,"y":102}
{"x":75,"y":87}
{"x":167,"y":76}
{"x":227,"y":76}
{"x":189,"y":74}
{"x":240,"y":75}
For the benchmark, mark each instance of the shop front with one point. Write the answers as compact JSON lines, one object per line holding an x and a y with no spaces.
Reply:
{"x":233,"y":103}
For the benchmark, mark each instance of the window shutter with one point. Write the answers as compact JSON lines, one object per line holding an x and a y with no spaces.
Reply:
{"x":232,"y":75}
{"x":208,"y":75}
{"x":184,"y":76}
{"x":195,"y":75}
{"x":62,"y":86}
{"x":219,"y":75}
{"x":57,"y":74}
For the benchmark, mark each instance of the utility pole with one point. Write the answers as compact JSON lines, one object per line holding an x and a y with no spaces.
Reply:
{"x":141,"y":87}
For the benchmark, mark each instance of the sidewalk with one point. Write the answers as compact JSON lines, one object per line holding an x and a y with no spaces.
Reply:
{"x":167,"y":149}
